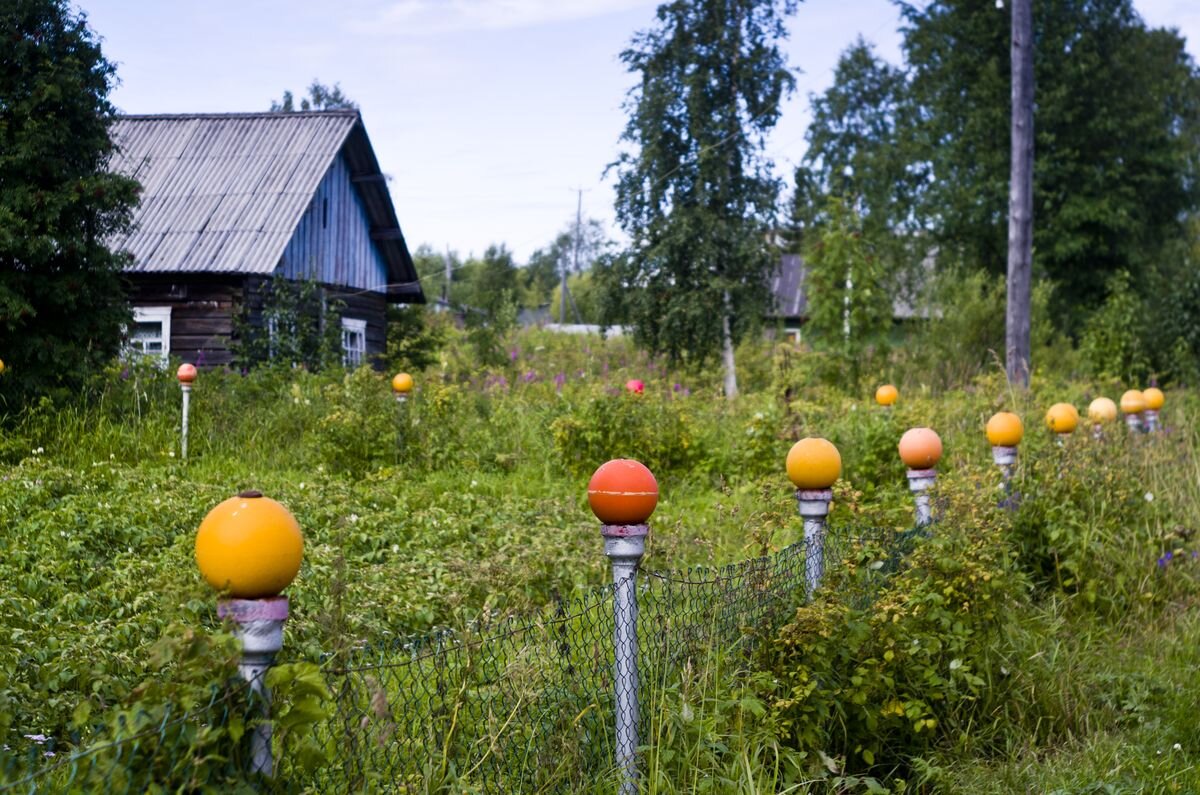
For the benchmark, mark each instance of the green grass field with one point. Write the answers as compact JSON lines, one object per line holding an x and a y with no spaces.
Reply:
{"x":1046,"y":649}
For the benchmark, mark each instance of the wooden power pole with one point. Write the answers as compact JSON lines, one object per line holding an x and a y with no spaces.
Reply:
{"x":1020,"y":198}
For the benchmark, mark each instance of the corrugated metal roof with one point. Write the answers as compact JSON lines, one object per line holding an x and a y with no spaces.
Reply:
{"x":223,"y":193}
{"x":787,"y":286}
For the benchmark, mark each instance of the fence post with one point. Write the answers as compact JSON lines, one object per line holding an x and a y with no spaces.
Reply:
{"x":259,"y":626}
{"x":250,"y":547}
{"x":186,"y":375}
{"x":1133,"y":403}
{"x":814,"y":465}
{"x":1005,"y":431}
{"x":622,"y":494}
{"x":920,"y":450}
{"x":402,"y":384}
{"x":1154,"y":401}
{"x":1101,"y":411}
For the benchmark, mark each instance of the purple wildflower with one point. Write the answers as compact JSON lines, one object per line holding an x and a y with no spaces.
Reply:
{"x":530,"y":377}
{"x":514,"y":354}
{"x":559,"y":380}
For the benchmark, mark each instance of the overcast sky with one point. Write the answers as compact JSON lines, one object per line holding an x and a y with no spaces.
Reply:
{"x":486,"y":114}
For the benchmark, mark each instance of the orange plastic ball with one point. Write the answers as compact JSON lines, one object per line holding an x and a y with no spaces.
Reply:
{"x":186,"y":373}
{"x":1005,"y":429}
{"x":250,"y":546}
{"x":623,"y":491}
{"x":1154,"y":398}
{"x":920,"y":448}
{"x":1062,"y":418}
{"x":1102,"y":410}
{"x":1133,"y":402}
{"x":814,"y":463}
{"x":886,"y":395}
{"x":402,"y":383}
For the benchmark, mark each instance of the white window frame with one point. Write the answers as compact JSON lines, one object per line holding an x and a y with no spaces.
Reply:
{"x":152,"y":314}
{"x":354,"y":354}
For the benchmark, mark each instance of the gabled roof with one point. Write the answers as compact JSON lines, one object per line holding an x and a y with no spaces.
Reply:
{"x":223,"y":193}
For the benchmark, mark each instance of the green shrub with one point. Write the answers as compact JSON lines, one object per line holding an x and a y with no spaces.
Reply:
{"x":657,"y":432}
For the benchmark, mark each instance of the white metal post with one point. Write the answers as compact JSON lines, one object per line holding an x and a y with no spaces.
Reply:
{"x":814,"y":507}
{"x":624,"y":545}
{"x":259,"y":624}
{"x":187,"y":392}
{"x":919,"y":483}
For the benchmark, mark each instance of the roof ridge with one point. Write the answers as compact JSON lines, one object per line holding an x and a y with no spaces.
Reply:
{"x":240,"y":115}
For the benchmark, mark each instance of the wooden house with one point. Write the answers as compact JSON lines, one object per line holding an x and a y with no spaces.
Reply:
{"x":232,"y":201}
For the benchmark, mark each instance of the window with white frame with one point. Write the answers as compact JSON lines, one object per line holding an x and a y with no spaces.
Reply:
{"x":354,"y":341}
{"x":151,"y":331}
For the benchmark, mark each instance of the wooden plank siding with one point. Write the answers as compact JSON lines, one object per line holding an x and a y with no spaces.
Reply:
{"x":332,"y":243}
{"x":202,"y":311}
{"x":371,"y":307}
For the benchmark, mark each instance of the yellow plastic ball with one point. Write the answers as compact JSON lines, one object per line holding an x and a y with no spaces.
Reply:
{"x":1005,"y":429}
{"x":1154,"y":398}
{"x":886,"y":395}
{"x":814,"y":463}
{"x":250,"y":546}
{"x":1062,"y":418}
{"x":1102,"y":410}
{"x":402,"y":383}
{"x":1133,"y":402}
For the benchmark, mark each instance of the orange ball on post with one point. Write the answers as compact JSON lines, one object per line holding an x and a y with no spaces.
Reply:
{"x":920,"y":448}
{"x":814,"y":464}
{"x":1005,"y":429}
{"x":1154,"y":398}
{"x":623,"y":492}
{"x":886,"y":395}
{"x":186,"y":373}
{"x":250,"y":546}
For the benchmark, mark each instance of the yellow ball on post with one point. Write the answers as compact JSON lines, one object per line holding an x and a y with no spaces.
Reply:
{"x":1102,"y":410}
{"x":1062,"y":418}
{"x":1154,"y":398}
{"x":1133,"y":402}
{"x":402,"y":383}
{"x":814,"y":464}
{"x":249,"y":546}
{"x":1005,"y":429}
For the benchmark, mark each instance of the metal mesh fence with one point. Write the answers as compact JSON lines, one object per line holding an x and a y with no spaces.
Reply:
{"x":521,"y":705}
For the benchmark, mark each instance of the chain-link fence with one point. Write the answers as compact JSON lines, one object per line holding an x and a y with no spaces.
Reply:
{"x":521,"y":705}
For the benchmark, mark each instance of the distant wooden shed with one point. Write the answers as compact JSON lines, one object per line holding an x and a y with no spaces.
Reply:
{"x":230,"y":201}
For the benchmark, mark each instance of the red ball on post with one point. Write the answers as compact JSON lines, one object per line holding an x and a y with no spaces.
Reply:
{"x":186,"y":373}
{"x":623,"y":491}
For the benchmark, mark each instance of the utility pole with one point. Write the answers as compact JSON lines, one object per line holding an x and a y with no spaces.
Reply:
{"x":1020,"y":199}
{"x":446,"y":283}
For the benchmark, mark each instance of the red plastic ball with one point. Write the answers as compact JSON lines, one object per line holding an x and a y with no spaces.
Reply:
{"x":623,"y":491}
{"x":186,"y":373}
{"x":635,"y":385}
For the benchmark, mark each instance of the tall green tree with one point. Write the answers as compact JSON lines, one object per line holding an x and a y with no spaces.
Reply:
{"x":695,"y":192}
{"x":1115,"y":138}
{"x":860,"y":157}
{"x":62,"y":299}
